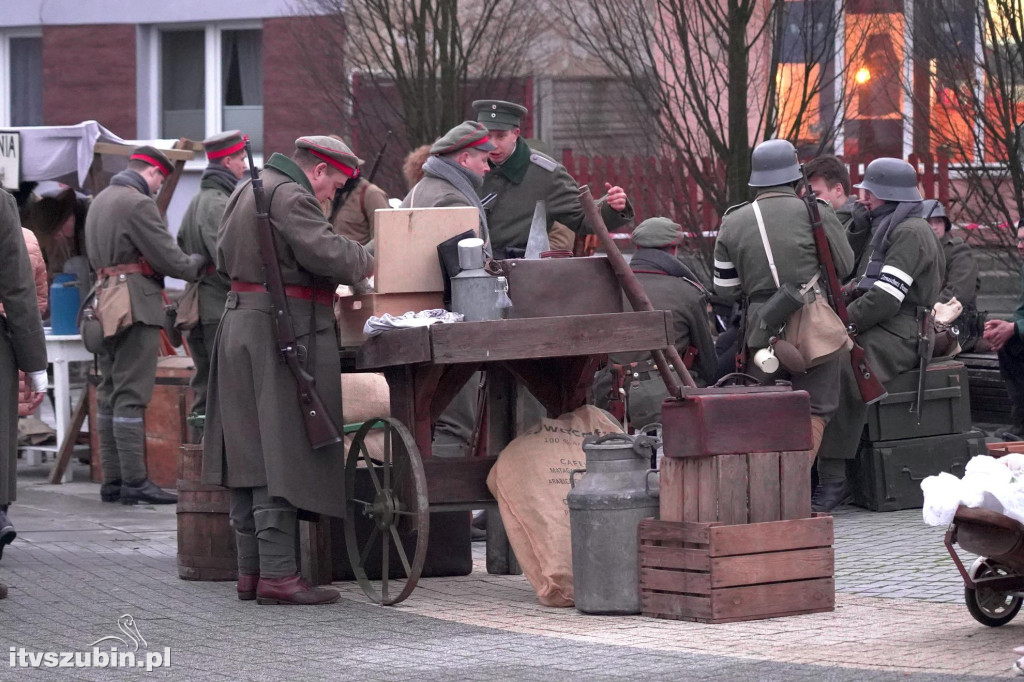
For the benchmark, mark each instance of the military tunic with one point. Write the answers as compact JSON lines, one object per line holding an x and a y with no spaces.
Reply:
{"x":741,"y":268}
{"x":886,"y":322}
{"x":22,"y":344}
{"x":855,"y":219}
{"x":961,"y":277}
{"x":255,"y":434}
{"x":525,"y":178}
{"x":198,"y":234}
{"x":355,"y":217}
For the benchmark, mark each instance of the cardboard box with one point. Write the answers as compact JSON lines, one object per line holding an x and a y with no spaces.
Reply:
{"x":352,"y":312}
{"x":406,"y":246}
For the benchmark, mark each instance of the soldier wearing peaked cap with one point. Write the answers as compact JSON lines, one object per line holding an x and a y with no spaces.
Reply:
{"x":902,"y":272}
{"x":673,"y":287}
{"x":131,"y":250}
{"x":355,"y":204}
{"x":452,"y":176}
{"x":255,"y":441}
{"x":520,"y":177}
{"x":225,"y":153}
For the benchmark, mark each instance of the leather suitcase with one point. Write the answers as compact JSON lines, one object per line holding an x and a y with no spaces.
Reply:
{"x":558,"y":287}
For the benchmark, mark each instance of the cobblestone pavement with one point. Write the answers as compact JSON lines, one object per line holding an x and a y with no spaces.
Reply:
{"x":78,"y":565}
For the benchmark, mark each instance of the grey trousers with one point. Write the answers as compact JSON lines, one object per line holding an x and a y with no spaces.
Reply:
{"x":266,"y":531}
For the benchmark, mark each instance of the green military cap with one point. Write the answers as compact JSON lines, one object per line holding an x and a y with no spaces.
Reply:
{"x":332,"y":151}
{"x":498,"y":115}
{"x":224,"y":144}
{"x":656,"y":233}
{"x":463,"y":136}
{"x":154,"y":157}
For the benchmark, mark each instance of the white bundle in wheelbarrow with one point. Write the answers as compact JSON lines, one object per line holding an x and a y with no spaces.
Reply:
{"x":992,"y":483}
{"x":530,"y":481}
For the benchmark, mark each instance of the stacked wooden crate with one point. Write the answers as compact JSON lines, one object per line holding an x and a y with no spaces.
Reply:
{"x":736,"y":539}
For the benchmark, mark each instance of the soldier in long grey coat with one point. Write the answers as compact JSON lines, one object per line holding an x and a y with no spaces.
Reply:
{"x":452,"y":176}
{"x":22,"y":347}
{"x":131,"y":250}
{"x":902,"y":272}
{"x":961,"y":278}
{"x":256,"y":443}
{"x":225,"y":153}
{"x":520,"y":177}
{"x":742,"y":265}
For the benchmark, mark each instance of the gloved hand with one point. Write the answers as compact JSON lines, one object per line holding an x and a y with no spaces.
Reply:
{"x":38,"y":380}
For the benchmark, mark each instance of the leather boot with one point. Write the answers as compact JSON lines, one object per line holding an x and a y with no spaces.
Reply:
{"x":293,"y":590}
{"x":7,"y":532}
{"x":828,"y":496}
{"x":247,"y":586}
{"x":111,"y":492}
{"x":146,"y":491}
{"x":3,"y":591}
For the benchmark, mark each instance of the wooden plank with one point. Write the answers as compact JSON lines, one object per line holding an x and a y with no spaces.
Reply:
{"x":764,"y":500}
{"x":665,"y":531}
{"x":671,"y":482}
{"x":707,"y":495}
{"x":127,"y":149}
{"x":731,"y":481}
{"x":675,"y":606}
{"x":674,"y":557}
{"x":67,"y":448}
{"x":691,"y":490}
{"x":795,"y":485}
{"x":753,"y":569}
{"x":777,"y":536}
{"x":549,"y":337}
{"x":458,"y":481}
{"x":395,"y":347}
{"x":680,"y":582}
{"x":758,"y":601}
{"x":315,"y":550}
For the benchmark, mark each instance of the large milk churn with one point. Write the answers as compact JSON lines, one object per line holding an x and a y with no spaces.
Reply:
{"x":616,"y":492}
{"x":475,"y":293}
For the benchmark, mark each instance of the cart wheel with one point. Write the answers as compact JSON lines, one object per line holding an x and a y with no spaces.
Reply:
{"x":398,"y":510}
{"x":990,"y":607}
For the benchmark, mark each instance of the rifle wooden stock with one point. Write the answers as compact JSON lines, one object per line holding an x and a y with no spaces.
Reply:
{"x":871,"y":389}
{"x":320,"y":428}
{"x":635,"y":293}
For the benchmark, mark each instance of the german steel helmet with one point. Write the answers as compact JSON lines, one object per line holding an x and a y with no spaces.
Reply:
{"x":891,"y":180}
{"x":931,"y":208}
{"x":773,"y":163}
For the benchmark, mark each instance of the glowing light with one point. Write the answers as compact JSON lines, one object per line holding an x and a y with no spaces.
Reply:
{"x":863,"y":75}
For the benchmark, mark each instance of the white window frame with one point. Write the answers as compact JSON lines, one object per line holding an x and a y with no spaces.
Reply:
{"x":150,"y":76}
{"x":5,"y":67}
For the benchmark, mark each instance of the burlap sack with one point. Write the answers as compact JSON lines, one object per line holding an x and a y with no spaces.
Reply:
{"x":363,"y":396}
{"x":530,"y":481}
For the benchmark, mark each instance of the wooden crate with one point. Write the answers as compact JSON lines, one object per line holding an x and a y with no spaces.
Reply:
{"x":406,"y":242}
{"x":352,"y":312}
{"x":1000,"y":449}
{"x":713,"y":573}
{"x":753,"y":488}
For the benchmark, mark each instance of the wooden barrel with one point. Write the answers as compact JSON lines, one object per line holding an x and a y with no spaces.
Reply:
{"x":206,"y":543}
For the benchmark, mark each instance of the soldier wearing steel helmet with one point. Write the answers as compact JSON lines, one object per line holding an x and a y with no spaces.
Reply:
{"x":903,"y":271}
{"x":960,"y":278}
{"x":743,"y":270}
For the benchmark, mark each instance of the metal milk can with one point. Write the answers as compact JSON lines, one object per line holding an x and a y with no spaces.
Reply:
{"x":475,"y":293}
{"x":616,"y":492}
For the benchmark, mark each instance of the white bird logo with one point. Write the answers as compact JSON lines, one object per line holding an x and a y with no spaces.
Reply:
{"x":126,"y":624}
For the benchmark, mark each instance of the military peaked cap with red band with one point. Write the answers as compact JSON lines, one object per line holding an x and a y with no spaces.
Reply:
{"x":224,"y":144}
{"x":154,"y":157}
{"x":333,"y":152}
{"x":466,"y":135}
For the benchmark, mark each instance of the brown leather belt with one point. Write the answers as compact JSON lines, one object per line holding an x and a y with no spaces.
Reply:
{"x":142,"y":268}
{"x":323,"y":297}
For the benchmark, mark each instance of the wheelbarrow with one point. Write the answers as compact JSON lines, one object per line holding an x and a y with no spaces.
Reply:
{"x":994,"y":584}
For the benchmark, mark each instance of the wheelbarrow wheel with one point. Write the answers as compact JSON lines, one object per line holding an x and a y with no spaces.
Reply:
{"x":990,"y":607}
{"x":396,"y":505}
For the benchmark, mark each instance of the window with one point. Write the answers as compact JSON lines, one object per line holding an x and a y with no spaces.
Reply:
{"x":211,"y":79}
{"x":21,"y":80}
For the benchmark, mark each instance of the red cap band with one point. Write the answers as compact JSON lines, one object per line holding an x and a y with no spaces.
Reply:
{"x":228,"y":151}
{"x":347,"y":170}
{"x":164,"y":170}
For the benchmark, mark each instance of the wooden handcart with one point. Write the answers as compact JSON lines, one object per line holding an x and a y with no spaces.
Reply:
{"x":553,"y":357}
{"x":994,"y":584}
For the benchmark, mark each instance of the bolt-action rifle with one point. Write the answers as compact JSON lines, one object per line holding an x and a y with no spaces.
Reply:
{"x":319,"y":426}
{"x":871,"y":389}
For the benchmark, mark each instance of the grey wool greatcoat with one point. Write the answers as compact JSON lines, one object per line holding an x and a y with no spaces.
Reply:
{"x":255,"y":435}
{"x":22,"y":344}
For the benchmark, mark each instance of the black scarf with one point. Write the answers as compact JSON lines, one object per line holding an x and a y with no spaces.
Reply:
{"x":130,"y":178}
{"x":217,"y":176}
{"x":661,"y":262}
